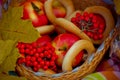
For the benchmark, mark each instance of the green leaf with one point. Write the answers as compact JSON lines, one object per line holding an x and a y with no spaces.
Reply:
{"x":9,"y":63}
{"x":13,"y":27}
{"x":5,"y":49}
{"x":8,"y":77}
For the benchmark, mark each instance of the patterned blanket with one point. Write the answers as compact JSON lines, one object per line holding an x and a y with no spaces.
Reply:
{"x":108,"y":69}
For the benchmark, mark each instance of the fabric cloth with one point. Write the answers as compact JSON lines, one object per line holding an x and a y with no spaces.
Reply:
{"x":108,"y":69}
{"x":103,"y":75}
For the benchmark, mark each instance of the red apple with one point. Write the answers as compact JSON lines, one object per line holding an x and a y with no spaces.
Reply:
{"x":59,"y":12}
{"x":62,"y":43}
{"x":58,"y":9}
{"x":43,"y":40}
{"x":34,"y":10}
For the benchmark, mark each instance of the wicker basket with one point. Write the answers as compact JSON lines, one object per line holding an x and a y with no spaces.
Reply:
{"x":86,"y":68}
{"x":76,"y":74}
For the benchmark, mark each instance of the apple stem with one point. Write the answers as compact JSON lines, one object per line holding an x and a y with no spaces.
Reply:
{"x":35,"y":7}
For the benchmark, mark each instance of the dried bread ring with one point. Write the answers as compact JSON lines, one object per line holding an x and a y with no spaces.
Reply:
{"x":49,"y":12}
{"x":70,"y":27}
{"x":74,"y":51}
{"x":45,"y":29}
{"x":109,"y":20}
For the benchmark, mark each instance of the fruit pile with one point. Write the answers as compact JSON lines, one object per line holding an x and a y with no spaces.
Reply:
{"x":34,"y":10}
{"x":71,"y":35}
{"x":46,"y":54}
